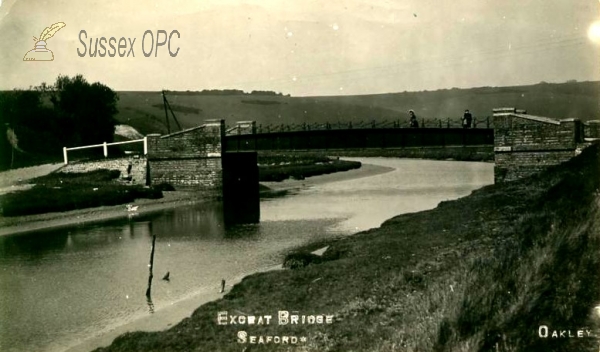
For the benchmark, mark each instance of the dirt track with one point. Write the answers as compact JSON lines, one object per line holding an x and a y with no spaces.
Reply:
{"x":19,"y":176}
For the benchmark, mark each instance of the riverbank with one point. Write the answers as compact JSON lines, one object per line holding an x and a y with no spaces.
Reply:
{"x":450,"y":152}
{"x":10,"y":179}
{"x":302,"y":169}
{"x":28,"y":223}
{"x":291,"y":185}
{"x":480,"y":273}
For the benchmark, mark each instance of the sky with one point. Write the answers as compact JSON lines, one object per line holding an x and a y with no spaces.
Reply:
{"x":305,"y":47}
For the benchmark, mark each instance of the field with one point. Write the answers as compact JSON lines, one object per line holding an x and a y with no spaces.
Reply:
{"x":145,"y":112}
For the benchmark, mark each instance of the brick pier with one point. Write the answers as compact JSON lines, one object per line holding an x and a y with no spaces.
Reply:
{"x":526,"y":144}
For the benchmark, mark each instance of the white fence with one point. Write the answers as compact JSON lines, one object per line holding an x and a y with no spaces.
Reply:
{"x":105,"y":147}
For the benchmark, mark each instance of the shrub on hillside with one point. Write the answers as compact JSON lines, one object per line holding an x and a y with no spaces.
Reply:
{"x":146,"y":192}
{"x":300,"y":260}
{"x":165,"y":187}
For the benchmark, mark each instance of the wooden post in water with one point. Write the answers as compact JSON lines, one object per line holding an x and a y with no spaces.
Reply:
{"x":148,"y":291}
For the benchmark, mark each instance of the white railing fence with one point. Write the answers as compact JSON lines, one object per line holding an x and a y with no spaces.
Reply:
{"x":105,"y":147}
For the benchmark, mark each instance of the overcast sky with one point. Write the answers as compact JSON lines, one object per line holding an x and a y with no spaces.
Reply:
{"x":308,"y":47}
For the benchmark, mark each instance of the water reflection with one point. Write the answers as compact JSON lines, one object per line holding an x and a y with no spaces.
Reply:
{"x":150,"y":305}
{"x":242,"y":231}
{"x":205,"y":220}
{"x":33,"y":246}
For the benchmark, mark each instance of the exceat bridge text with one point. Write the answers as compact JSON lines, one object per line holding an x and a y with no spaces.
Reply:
{"x":283,"y":318}
{"x":97,"y":47}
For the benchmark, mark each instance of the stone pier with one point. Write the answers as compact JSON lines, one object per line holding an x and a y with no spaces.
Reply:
{"x":527,"y":144}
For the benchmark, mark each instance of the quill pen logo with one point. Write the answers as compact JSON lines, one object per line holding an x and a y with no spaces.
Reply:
{"x":40,"y":52}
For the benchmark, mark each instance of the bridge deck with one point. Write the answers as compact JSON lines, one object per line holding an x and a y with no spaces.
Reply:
{"x":360,"y":139}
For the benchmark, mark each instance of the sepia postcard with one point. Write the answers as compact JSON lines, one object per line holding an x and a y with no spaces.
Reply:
{"x":299,"y":175}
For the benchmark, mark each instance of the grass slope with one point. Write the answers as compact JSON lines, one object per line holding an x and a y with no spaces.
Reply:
{"x":279,"y":167}
{"x":60,"y":192}
{"x":480,"y":273}
{"x":144,"y":110}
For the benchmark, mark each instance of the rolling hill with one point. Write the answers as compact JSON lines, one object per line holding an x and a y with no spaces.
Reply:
{"x":144,"y":110}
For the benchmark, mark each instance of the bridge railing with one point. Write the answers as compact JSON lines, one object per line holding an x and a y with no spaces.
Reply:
{"x":104,"y":146}
{"x":360,"y":138}
{"x":478,"y":122}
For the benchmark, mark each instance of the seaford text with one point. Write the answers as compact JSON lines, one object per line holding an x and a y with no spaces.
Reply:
{"x":546,"y":333}
{"x":126,"y":47}
{"x":284,"y":317}
{"x":243,"y":337}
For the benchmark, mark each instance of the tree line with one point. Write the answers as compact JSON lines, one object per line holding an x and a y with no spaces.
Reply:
{"x":231,"y":92}
{"x":36,"y":123}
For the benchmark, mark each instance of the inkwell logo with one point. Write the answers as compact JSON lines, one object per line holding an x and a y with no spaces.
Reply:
{"x":39,"y":52}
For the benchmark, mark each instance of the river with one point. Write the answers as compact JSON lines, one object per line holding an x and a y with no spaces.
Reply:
{"x":58,"y":287}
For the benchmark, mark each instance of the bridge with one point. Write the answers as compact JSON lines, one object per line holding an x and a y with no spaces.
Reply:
{"x":246,"y":136}
{"x":362,"y":138}
{"x":212,"y":157}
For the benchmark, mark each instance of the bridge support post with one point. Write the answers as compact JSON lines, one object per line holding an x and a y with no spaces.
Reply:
{"x":241,"y":202}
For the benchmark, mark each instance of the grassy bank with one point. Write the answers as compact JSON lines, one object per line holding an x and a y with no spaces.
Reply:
{"x":459,"y":153}
{"x":278,"y":167}
{"x":58,"y":192}
{"x":480,"y":273}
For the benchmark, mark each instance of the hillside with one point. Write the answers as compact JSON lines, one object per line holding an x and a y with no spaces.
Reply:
{"x":145,"y":112}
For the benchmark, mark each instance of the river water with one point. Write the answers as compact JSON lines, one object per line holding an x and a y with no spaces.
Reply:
{"x":61,"y":286}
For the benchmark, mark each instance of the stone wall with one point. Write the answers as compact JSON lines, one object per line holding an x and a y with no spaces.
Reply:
{"x":138,"y":167}
{"x":591,"y":129}
{"x":187,"y":158}
{"x":198,"y":142}
{"x":201,"y":172}
{"x":521,"y":133}
{"x":526,"y":144}
{"x":190,"y":158}
{"x":512,"y":166}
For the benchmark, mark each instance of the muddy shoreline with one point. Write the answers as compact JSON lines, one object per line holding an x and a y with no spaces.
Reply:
{"x":30,"y":223}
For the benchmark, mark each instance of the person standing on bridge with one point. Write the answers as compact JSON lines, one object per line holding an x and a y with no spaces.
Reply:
{"x":466,"y":120}
{"x":413,"y":123}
